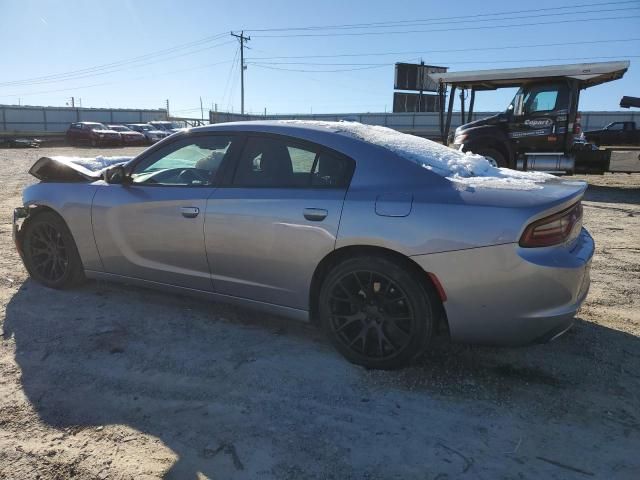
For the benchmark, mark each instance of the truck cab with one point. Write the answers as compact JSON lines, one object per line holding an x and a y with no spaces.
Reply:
{"x":540,"y":118}
{"x":540,"y":128}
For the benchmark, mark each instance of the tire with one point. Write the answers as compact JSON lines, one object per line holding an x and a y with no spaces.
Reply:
{"x":376,"y":313}
{"x":94,"y":142}
{"x":494,"y":156}
{"x":50,"y":253}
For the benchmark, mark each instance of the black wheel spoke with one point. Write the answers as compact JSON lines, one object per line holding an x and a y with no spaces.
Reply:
{"x":370,"y":314}
{"x":360,"y":284}
{"x":48,"y":252}
{"x":349,"y":320}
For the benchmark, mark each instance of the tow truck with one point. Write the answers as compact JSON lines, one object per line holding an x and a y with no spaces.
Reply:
{"x":540,"y":129}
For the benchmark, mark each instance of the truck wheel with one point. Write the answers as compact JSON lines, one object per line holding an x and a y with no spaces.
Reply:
{"x":494,"y":156}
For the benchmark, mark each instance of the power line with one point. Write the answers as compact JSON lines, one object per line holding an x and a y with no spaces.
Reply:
{"x":227,"y":83}
{"x":114,"y":66}
{"x":456,"y":17}
{"x":484,"y":27}
{"x":380,"y":65}
{"x":67,"y":89}
{"x":448,"y":50}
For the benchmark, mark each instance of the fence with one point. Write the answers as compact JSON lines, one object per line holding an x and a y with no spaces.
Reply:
{"x":423,"y":124}
{"x":43,"y":121}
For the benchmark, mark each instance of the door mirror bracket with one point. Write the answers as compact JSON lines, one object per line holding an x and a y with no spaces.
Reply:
{"x":116,"y":175}
{"x":518,"y":107}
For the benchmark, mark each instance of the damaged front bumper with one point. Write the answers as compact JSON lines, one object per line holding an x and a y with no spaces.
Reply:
{"x":19,"y":216}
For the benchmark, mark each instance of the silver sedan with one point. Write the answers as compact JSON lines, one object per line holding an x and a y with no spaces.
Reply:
{"x":382,"y":239}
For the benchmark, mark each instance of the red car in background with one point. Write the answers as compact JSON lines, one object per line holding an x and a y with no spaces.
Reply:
{"x":93,"y":133}
{"x":129,"y":137}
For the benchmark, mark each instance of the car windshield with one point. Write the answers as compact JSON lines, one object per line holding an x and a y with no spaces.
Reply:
{"x":164,"y":125}
{"x":119,"y":128}
{"x":98,"y":126}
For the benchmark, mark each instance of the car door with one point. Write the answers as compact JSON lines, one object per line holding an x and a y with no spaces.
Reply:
{"x":152,"y":226}
{"x":543,"y":125}
{"x":612,"y":133}
{"x":268,"y":228}
{"x":72,"y":133}
{"x":627,"y":135}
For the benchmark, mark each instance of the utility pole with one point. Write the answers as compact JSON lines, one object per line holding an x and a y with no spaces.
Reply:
{"x":167,"y":103}
{"x":201,"y":110}
{"x":73,"y":102}
{"x":243,"y":40}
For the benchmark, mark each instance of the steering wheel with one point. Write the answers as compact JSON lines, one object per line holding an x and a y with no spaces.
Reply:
{"x":190,"y":175}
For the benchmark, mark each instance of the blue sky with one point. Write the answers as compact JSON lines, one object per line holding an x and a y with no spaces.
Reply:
{"x":45,"y":38}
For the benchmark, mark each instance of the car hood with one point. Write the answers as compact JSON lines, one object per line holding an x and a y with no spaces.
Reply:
{"x":105,"y":131}
{"x":73,"y":169}
{"x":492,"y":120}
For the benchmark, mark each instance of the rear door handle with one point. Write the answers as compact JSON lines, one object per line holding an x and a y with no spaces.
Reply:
{"x":190,"y":212}
{"x":315,"y":214}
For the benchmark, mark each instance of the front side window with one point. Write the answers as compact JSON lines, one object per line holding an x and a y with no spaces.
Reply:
{"x":541,"y":101}
{"x":187,"y":162}
{"x":279,"y":163}
{"x":615,"y":126}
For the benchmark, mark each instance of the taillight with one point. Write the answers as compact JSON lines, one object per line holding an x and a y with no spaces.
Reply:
{"x":577,"y":127}
{"x":554,"y":229}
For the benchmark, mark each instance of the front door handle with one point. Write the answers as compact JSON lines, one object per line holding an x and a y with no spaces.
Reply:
{"x":190,"y":212}
{"x":315,"y":214}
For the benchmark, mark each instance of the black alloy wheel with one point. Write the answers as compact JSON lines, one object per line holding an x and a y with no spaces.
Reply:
{"x":50,"y":253}
{"x":376,"y":313}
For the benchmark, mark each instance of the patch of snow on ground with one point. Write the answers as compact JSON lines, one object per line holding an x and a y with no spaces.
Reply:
{"x":467,"y":169}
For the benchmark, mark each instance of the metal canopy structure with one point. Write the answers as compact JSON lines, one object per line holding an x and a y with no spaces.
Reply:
{"x":587,"y":74}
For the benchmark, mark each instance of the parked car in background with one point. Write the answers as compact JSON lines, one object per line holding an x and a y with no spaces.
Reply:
{"x":151,"y":133}
{"x":168,"y":126}
{"x":616,"y":133}
{"x":379,"y":237}
{"x":129,"y":137}
{"x":92,"y":133}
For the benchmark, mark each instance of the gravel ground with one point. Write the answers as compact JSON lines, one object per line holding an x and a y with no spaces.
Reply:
{"x":114,"y":382}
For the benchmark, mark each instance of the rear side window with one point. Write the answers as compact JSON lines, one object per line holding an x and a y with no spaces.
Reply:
{"x":280,"y":163}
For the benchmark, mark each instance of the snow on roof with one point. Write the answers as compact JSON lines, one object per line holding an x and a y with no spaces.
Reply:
{"x":463,"y":168}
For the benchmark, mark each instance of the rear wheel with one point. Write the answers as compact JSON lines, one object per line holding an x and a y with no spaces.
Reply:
{"x":50,"y":253}
{"x":375,"y":312}
{"x":495,"y":158}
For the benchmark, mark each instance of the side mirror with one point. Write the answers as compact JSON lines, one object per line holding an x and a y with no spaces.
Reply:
{"x":518,"y":107}
{"x":116,"y":174}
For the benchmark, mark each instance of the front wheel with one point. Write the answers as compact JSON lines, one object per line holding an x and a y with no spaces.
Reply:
{"x":495,"y":158}
{"x":376,"y":312}
{"x":50,"y":253}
